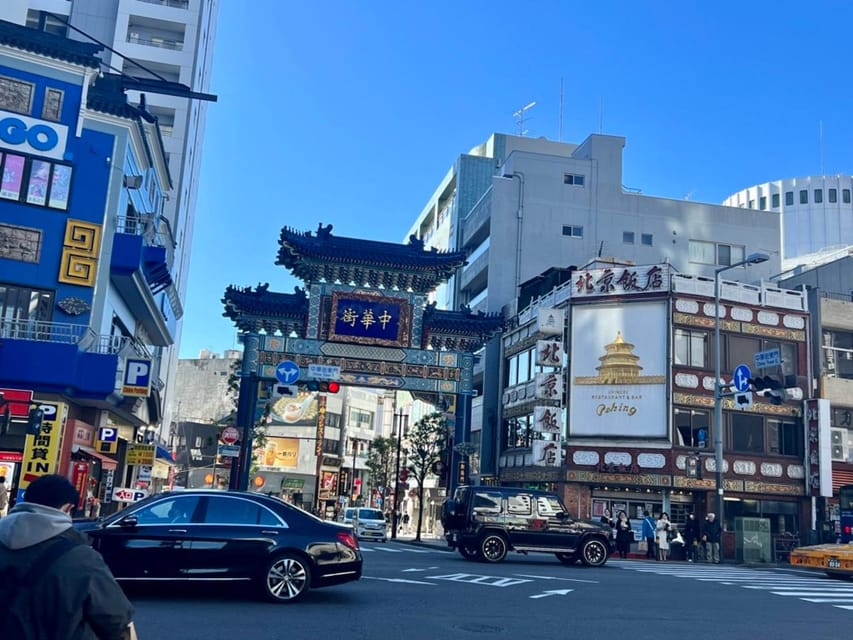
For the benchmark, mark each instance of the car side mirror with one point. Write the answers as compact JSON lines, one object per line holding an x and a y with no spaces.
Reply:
{"x":129,"y":522}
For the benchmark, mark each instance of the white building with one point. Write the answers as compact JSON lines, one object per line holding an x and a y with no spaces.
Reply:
{"x":173,"y":39}
{"x":522,"y":206}
{"x":816,"y":212}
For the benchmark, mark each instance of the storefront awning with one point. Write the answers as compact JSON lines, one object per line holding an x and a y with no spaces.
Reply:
{"x":106,"y":462}
{"x":165,"y":455}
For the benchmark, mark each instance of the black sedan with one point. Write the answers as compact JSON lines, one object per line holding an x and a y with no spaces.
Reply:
{"x":227,"y":536}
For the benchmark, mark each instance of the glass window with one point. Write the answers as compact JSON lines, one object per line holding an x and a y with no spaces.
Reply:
{"x":845,"y":196}
{"x":222,"y":510}
{"x":762,"y":203}
{"x":19,"y":303}
{"x":691,"y":348}
{"x":519,"y":504}
{"x":574,"y":179}
{"x":752,"y":204}
{"x":818,"y":196}
{"x":549,"y":506}
{"x":789,"y":198}
{"x":176,"y":510}
{"x":52,"y":108}
{"x":512,"y":371}
{"x":628,"y":237}
{"x":747,"y":433}
{"x":701,"y":252}
{"x":784,"y":438}
{"x":833,"y":195}
{"x":774,"y":201}
{"x":573,"y":231}
{"x":647,"y":239}
{"x":804,"y":196}
{"x":487,"y":503}
{"x":740,"y":350}
{"x":692,"y":428}
{"x":724,"y":254}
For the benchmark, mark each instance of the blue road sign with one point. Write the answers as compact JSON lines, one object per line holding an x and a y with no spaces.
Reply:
{"x":771,"y":358}
{"x":287,"y":372}
{"x":741,"y":377}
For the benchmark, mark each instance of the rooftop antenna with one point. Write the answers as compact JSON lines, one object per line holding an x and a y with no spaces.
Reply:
{"x":560,"y":131}
{"x":601,"y":115}
{"x":822,"y":167}
{"x":519,"y":116}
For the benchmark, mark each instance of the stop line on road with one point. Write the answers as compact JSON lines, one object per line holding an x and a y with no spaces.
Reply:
{"x":816,"y":590}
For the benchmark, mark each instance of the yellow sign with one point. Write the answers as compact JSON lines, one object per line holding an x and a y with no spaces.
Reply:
{"x":41,"y":451}
{"x":140,"y":454}
{"x":279,"y":453}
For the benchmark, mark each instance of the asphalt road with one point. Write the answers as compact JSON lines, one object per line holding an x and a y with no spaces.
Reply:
{"x":417,"y":593}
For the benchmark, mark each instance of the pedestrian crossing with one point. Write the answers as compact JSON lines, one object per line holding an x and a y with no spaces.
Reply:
{"x":816,"y":589}
{"x":391,"y":548}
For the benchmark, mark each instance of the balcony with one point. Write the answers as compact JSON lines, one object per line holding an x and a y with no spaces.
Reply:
{"x":175,"y":4}
{"x":139,"y":271}
{"x":56,"y":357}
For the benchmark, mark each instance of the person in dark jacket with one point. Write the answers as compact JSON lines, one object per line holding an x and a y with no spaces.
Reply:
{"x":691,"y":537}
{"x":83,"y":599}
{"x":711,"y":533}
{"x":624,"y":534}
{"x":649,"y":535}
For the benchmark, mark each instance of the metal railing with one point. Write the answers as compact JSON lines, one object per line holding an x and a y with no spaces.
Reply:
{"x":63,"y":333}
{"x":156,"y":41}
{"x":175,"y":4}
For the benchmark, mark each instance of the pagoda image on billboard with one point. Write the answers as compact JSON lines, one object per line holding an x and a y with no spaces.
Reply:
{"x":619,"y":365}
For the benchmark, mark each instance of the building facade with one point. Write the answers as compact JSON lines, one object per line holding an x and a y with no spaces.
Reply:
{"x":816,"y":212}
{"x":522,"y":207}
{"x":152,"y":40}
{"x":608,"y":392}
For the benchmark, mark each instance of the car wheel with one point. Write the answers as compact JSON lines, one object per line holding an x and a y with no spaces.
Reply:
{"x":493,"y":547}
{"x":567,"y":558}
{"x":287,"y":578}
{"x":593,"y":552}
{"x":469,"y":553}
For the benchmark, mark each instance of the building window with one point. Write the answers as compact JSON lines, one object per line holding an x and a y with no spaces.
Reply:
{"x":360,"y":419}
{"x":762,"y":203}
{"x":751,"y":204}
{"x":43,"y":21}
{"x":46,"y":184}
{"x":833,"y":195}
{"x":804,"y":196}
{"x":25,"y":304}
{"x":818,"y":196}
{"x":517,"y":432}
{"x":691,"y":348}
{"x":52,"y":109}
{"x":747,"y":433}
{"x":774,"y":201}
{"x":784,"y":438}
{"x":573,"y":179}
{"x":789,"y":198}
{"x":691,"y":428}
{"x":845,"y":196}
{"x":573,"y":230}
{"x":703,"y":252}
{"x":16,"y":95}
{"x":628,"y":237}
{"x":647,"y":239}
{"x":837,"y":353}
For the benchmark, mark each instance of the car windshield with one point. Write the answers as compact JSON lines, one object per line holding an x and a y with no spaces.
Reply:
{"x":370,"y":514}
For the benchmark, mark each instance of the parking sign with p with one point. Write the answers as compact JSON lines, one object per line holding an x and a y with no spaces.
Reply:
{"x":137,"y":377}
{"x":107,"y":440}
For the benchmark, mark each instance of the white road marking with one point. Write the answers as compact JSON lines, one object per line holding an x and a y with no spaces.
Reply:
{"x":471,"y":578}
{"x":527,"y":575}
{"x":415,"y":570}
{"x":403,"y":580}
{"x":554,"y":592}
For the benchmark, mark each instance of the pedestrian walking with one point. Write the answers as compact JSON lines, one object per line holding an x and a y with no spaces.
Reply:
{"x":624,"y":534}
{"x":662,"y":533}
{"x":54,"y":584}
{"x":4,"y":496}
{"x":649,"y":535}
{"x":692,"y":534}
{"x":606,"y":519}
{"x":711,"y":534}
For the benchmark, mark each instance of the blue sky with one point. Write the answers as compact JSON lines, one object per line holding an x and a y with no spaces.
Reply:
{"x":350,"y":113}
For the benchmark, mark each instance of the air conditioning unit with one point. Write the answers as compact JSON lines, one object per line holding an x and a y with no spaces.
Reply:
{"x":839,"y":445}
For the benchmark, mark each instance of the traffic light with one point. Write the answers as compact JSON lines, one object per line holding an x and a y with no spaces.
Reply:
{"x":774,"y":390}
{"x":324,"y":386}
{"x":34,"y":421}
{"x":693,"y":467}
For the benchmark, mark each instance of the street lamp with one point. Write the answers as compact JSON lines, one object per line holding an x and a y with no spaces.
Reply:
{"x":398,"y":425}
{"x":753,"y":258}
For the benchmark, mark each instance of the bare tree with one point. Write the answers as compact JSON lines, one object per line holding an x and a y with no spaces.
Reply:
{"x":426,"y":442}
{"x":380,"y":462}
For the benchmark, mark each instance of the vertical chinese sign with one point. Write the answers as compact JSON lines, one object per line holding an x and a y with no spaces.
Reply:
{"x":41,"y":451}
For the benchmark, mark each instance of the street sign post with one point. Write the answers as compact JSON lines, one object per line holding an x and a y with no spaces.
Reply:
{"x":287,"y":372}
{"x":743,"y":400}
{"x":769,"y":358}
{"x":230,"y":435}
{"x":229,"y":450}
{"x":324,"y":372}
{"x":741,"y":378}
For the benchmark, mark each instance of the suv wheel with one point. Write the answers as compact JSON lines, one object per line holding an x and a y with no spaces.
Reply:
{"x":493,"y":547}
{"x":593,"y":552}
{"x":469,"y":553}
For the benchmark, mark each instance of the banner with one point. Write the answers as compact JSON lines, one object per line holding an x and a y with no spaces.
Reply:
{"x":41,"y":451}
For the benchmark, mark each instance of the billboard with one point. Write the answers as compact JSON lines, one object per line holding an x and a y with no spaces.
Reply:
{"x":278,"y":454}
{"x":619,"y":370}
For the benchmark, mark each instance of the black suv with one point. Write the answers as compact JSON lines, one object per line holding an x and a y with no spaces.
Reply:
{"x":484,"y":523}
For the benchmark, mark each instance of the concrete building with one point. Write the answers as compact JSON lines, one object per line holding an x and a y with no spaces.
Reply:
{"x":203,"y":391}
{"x":172,"y":40}
{"x":816,"y":212}
{"x":522,"y":207}
{"x":829,"y":290}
